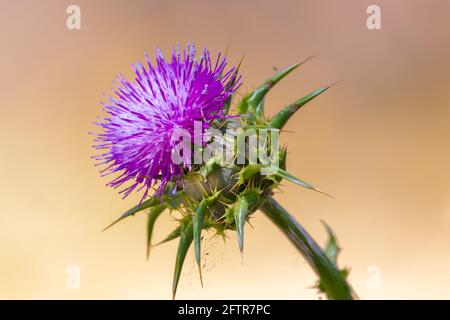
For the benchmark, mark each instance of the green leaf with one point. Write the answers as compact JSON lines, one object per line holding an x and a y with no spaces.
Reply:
{"x":246,"y":204}
{"x":249,"y":171}
{"x":254,"y":99}
{"x":198,"y":219}
{"x":283,"y":154}
{"x":210,"y":166}
{"x":153,"y":214}
{"x":183,"y":247}
{"x":332,"y":249}
{"x":241,"y":212}
{"x":279,"y":120}
{"x":198,"y":223}
{"x":258,"y":95}
{"x":242,"y":106}
{"x":144,"y":205}
{"x":259,"y":110}
{"x":286,"y":175}
{"x":332,"y":279}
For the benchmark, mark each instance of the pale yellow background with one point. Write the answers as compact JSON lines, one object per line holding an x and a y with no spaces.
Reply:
{"x":378,"y":141}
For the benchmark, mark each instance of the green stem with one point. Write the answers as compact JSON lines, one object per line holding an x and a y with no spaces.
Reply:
{"x":334,"y":283}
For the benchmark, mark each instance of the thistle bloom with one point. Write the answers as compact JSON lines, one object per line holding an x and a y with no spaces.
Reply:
{"x":164,"y":99}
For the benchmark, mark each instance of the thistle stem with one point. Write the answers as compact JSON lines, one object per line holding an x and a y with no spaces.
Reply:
{"x":334,"y":283}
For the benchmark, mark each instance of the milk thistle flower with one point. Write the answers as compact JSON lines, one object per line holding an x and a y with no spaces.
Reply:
{"x":217,"y":195}
{"x":164,"y":99}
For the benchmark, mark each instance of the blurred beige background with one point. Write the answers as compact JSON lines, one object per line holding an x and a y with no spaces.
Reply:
{"x":378,"y":141}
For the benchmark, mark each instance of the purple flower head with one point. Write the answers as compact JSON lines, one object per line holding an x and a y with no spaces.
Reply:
{"x":165,"y":98}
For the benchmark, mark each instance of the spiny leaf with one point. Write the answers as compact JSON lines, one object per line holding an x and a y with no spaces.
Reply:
{"x":246,"y":203}
{"x":153,"y":214}
{"x":281,"y":118}
{"x":240,"y":215}
{"x":332,"y":249}
{"x":259,"y":110}
{"x":286,"y":175}
{"x":144,"y":205}
{"x":254,"y":99}
{"x":242,"y":106}
{"x":198,"y":223}
{"x":209,"y":167}
{"x":280,"y":75}
{"x":199,"y":217}
{"x":229,"y":215}
{"x":183,"y":247}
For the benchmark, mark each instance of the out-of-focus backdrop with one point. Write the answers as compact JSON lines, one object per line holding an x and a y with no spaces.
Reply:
{"x":378,"y":141}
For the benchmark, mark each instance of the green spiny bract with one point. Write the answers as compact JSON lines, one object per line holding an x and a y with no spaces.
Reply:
{"x":218,"y":196}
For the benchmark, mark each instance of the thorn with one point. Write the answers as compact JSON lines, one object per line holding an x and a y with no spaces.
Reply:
{"x":287,"y":131}
{"x":158,"y":244}
{"x":334,"y":83}
{"x":240,"y":62}
{"x":109,"y":226}
{"x":241,"y":246}
{"x":148,"y":251}
{"x":200,"y":273}
{"x":307,"y":59}
{"x":324,"y":193}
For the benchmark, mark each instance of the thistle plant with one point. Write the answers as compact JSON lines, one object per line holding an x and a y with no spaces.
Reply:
{"x":172,"y":135}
